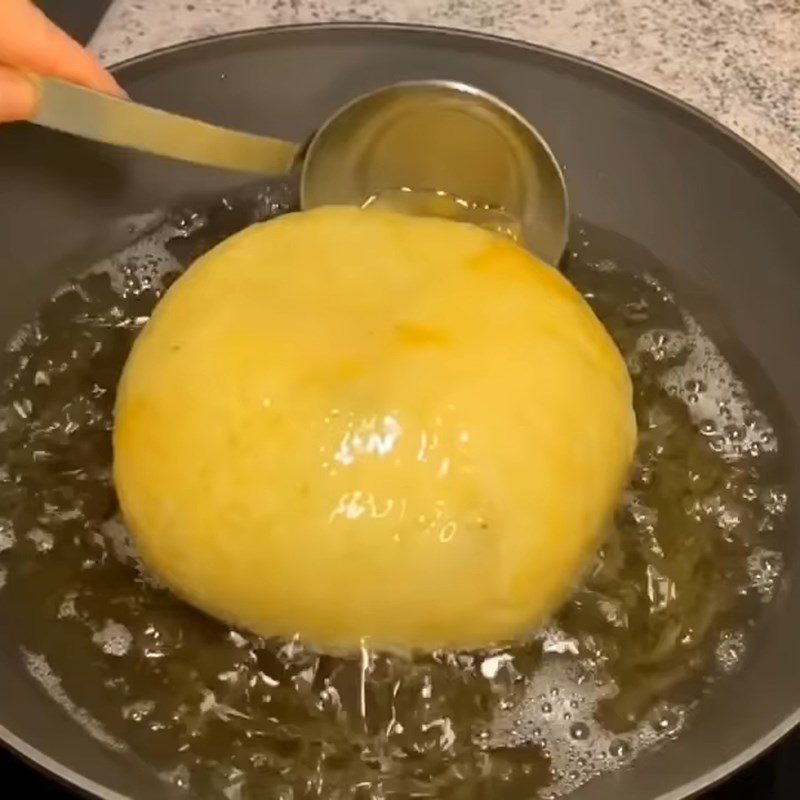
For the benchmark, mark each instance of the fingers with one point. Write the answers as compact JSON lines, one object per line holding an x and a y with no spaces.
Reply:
{"x":29,"y":41}
{"x":18,"y":96}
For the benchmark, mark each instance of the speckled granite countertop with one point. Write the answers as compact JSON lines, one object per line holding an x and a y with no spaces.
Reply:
{"x":737,"y":60}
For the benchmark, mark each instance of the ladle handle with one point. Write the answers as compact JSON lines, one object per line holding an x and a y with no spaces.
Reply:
{"x":92,"y":115}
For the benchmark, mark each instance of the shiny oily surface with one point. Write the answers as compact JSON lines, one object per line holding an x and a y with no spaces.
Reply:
{"x":361,"y":426}
{"x":666,"y":609}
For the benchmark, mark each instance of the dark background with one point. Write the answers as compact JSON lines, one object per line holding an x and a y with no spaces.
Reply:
{"x":79,"y":18}
{"x":773,"y":777}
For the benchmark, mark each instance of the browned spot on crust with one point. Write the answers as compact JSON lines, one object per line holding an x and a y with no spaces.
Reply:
{"x":420,"y":335}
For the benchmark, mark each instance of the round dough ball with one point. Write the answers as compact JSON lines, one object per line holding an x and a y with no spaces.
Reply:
{"x":353,"y":424}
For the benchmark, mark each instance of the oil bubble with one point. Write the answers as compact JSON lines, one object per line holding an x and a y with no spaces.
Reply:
{"x":579,"y":731}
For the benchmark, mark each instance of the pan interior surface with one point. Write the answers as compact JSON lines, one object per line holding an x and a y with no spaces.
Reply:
{"x":645,"y":235}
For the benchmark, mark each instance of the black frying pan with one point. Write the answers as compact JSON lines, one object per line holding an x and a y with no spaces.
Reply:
{"x":655,"y":180}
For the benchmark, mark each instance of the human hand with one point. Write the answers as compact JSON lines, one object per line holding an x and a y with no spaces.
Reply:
{"x":32,"y":45}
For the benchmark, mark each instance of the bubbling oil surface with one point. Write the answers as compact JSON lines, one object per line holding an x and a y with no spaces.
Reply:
{"x":665,"y":609}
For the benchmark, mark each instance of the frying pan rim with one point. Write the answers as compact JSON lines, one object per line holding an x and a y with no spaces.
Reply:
{"x":54,"y":768}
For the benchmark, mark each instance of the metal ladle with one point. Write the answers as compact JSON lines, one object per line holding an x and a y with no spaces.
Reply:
{"x":457,"y":150}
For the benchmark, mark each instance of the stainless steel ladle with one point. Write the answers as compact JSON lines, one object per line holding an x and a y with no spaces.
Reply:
{"x":438,"y":139}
